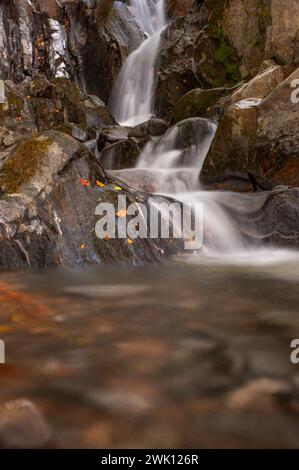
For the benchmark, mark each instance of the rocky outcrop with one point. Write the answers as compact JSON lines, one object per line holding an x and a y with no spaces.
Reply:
{"x":39,"y":104}
{"x":119,"y":147}
{"x":198,"y":102}
{"x":51,"y":185}
{"x":259,"y":135}
{"x":222,"y":43}
{"x":262,"y":29}
{"x":85,"y":41}
{"x":195,"y":54}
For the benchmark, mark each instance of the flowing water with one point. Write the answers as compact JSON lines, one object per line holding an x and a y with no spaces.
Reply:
{"x":192,"y":353}
{"x":132,"y":98}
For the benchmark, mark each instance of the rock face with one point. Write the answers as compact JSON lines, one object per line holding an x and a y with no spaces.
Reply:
{"x":179,"y":7}
{"x":222,"y":43}
{"x":84,"y":40}
{"x":39,"y":104}
{"x":259,"y":135}
{"x":262,"y":29}
{"x":195,"y":54}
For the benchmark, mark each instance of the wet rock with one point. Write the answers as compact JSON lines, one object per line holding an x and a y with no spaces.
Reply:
{"x":260,"y":137}
{"x":63,"y":39}
{"x":153,"y":128}
{"x":198,"y":102}
{"x":223,"y":43}
{"x":120,"y":155}
{"x":120,"y":146}
{"x":123,"y":26}
{"x":194,"y":54}
{"x":23,"y":426}
{"x":261,"y":85}
{"x":235,"y":134}
{"x":39,"y":104}
{"x":271,"y":217}
{"x":238,"y":182}
{"x":51,"y":185}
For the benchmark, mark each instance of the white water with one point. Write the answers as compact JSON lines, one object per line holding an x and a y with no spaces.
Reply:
{"x":166,"y":166}
{"x":132,"y":97}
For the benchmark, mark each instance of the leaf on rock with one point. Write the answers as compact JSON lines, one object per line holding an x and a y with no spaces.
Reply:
{"x":84,"y":182}
{"x":122,"y":213}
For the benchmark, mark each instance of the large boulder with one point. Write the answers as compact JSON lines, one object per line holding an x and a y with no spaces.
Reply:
{"x":260,"y":136}
{"x":198,"y":102}
{"x":50,"y":188}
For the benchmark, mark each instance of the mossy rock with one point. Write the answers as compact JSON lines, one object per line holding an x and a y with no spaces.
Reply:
{"x":34,"y":163}
{"x":198,"y":103}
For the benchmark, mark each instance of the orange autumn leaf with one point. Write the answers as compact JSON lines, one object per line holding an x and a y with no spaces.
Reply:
{"x":84,"y":182}
{"x":101,"y":185}
{"x":82,"y":246}
{"x":106,"y":238}
{"x":122,"y":213}
{"x":130,"y":241}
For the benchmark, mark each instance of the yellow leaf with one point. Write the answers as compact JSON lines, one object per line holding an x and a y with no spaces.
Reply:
{"x":130,"y":241}
{"x":117,"y":188}
{"x":122,"y":213}
{"x":101,"y":185}
{"x":82,"y":246}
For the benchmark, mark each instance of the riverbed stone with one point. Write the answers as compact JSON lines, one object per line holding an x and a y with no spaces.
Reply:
{"x":23,"y":426}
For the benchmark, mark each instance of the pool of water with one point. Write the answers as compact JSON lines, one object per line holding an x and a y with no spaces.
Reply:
{"x":184,"y":354}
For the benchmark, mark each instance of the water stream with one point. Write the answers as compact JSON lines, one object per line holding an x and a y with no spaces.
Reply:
{"x":172,"y":168}
{"x":132,"y":98}
{"x":167,"y":165}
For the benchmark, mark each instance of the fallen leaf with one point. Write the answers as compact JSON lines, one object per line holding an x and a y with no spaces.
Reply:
{"x":117,"y":188}
{"x":130,"y":241}
{"x":106,"y":238}
{"x":122,"y":213}
{"x":101,"y":185}
{"x":82,"y":246}
{"x":84,"y":182}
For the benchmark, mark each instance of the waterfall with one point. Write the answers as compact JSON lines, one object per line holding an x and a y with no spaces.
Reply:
{"x":131,"y":101}
{"x":169,"y":166}
{"x":176,"y":172}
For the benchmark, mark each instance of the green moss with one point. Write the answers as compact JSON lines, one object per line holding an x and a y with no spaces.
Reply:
{"x":22,"y":164}
{"x":226,"y":55}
